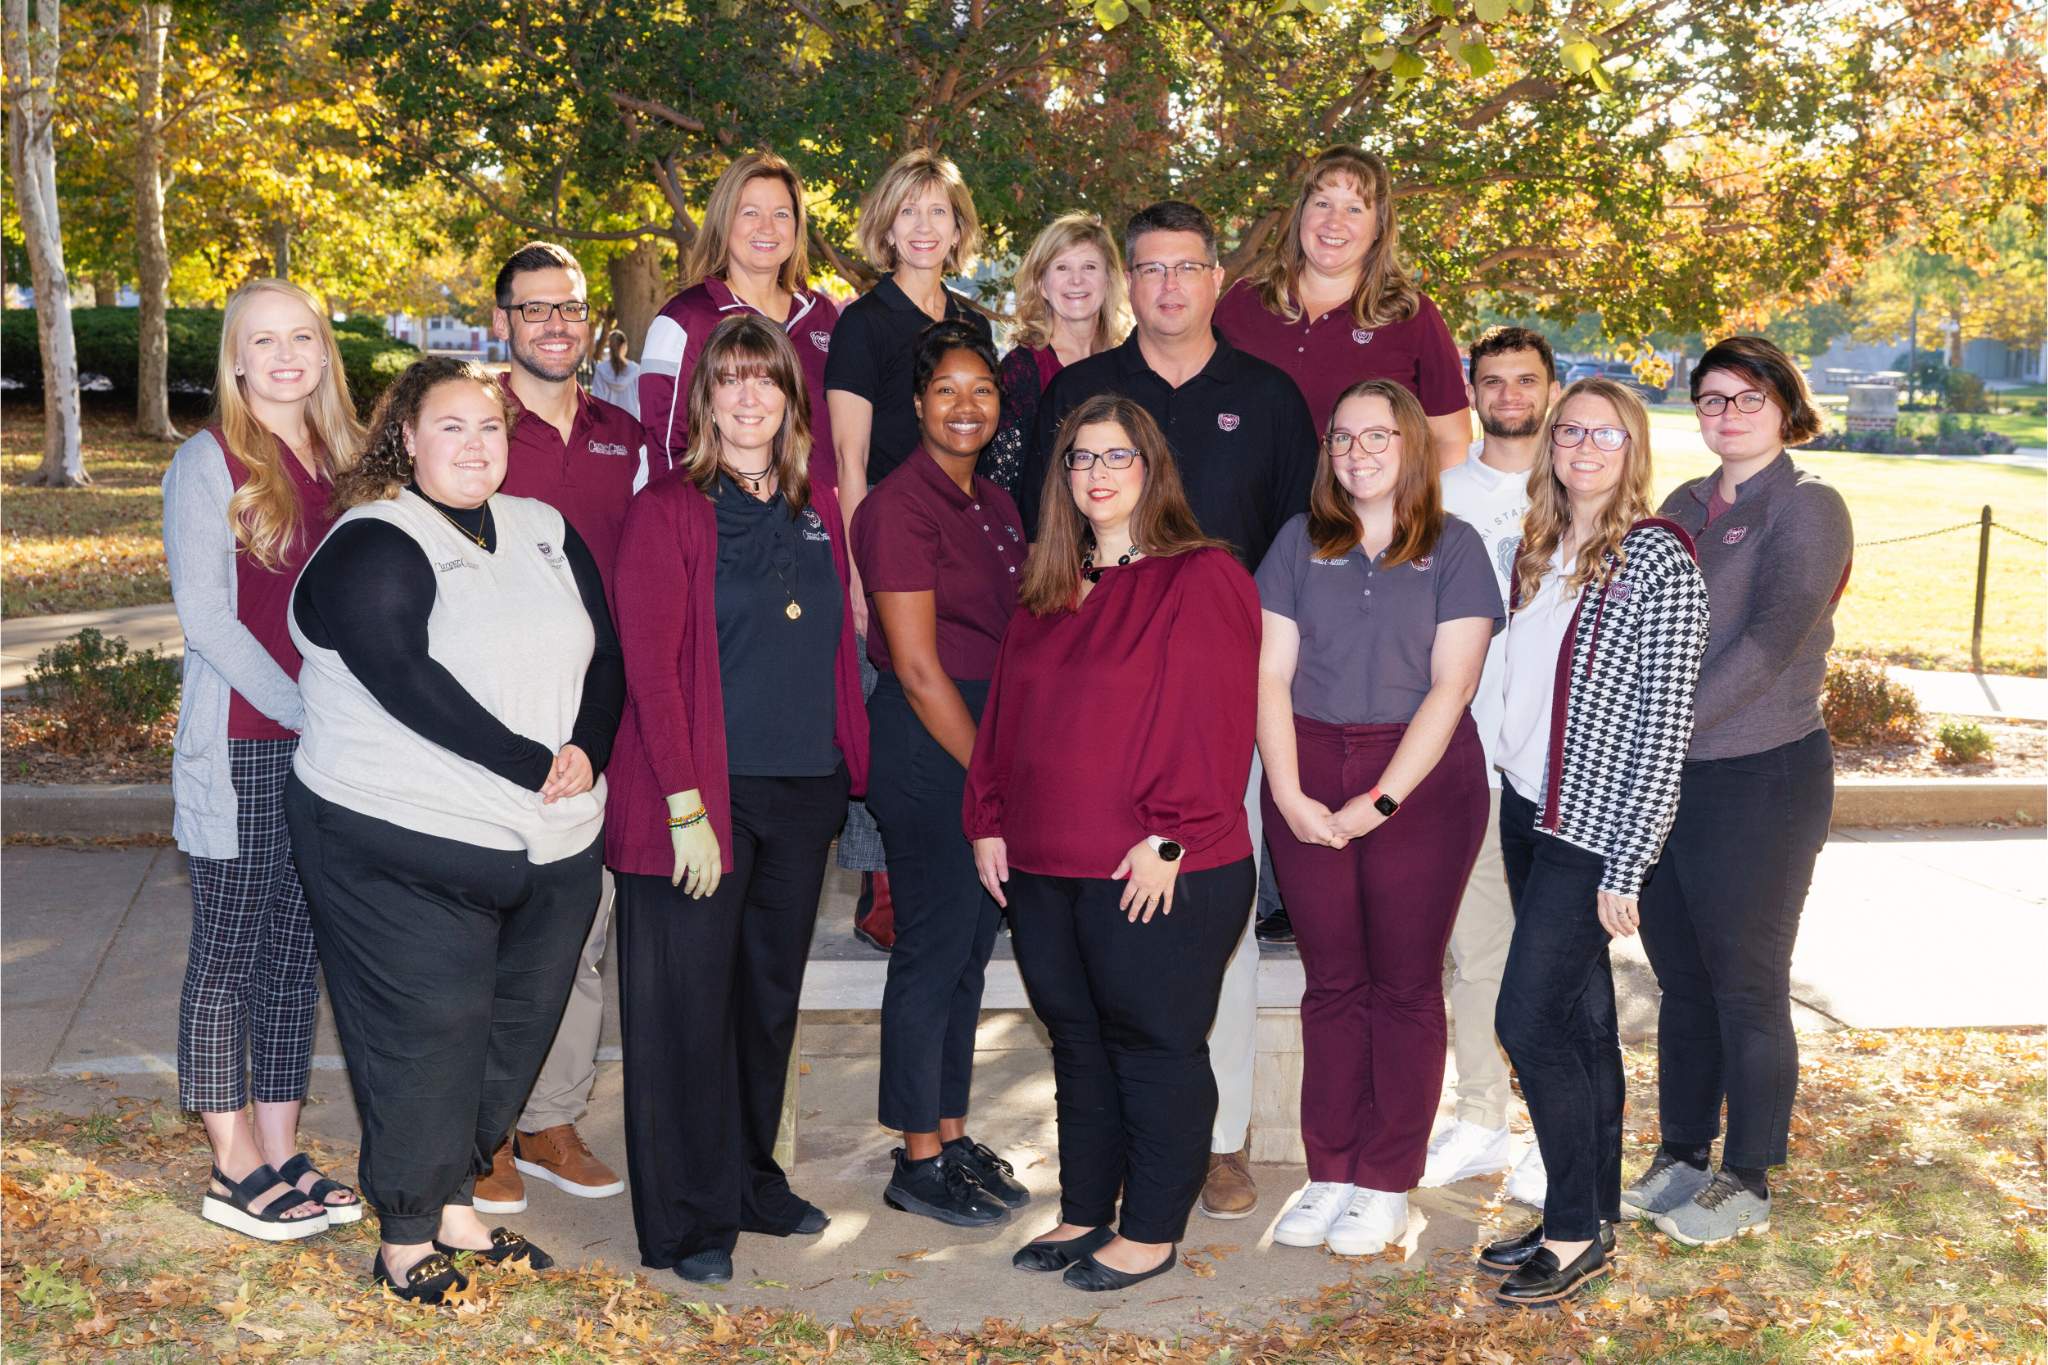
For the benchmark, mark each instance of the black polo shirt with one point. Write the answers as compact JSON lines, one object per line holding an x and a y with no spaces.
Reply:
{"x":1240,"y":430}
{"x":873,"y":355}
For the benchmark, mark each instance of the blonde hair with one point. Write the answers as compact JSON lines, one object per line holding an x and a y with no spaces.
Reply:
{"x":748,"y":344}
{"x":910,"y":175}
{"x":1550,"y":509}
{"x":1333,"y":525}
{"x":711,"y":253}
{"x":1033,"y":326}
{"x":1385,"y":295}
{"x":264,"y":511}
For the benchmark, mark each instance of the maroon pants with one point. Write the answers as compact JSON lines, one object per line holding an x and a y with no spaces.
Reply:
{"x":1373,"y":920}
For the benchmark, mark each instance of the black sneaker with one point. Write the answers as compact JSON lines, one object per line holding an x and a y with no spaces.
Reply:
{"x":1275,"y":930}
{"x":943,"y":1189}
{"x":996,"y":1175}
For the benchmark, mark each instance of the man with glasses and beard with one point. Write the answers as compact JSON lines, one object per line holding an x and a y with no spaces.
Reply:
{"x":585,"y":458}
{"x":1513,"y":386}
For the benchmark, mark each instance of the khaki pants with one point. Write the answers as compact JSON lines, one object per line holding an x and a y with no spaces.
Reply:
{"x":1479,"y":953}
{"x":561,"y":1094}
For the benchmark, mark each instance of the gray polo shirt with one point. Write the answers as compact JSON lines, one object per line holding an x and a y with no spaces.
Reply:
{"x":1367,"y":631}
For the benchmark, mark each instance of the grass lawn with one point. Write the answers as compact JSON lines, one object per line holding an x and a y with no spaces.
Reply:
{"x":1908,"y":1227}
{"x":83,"y":549}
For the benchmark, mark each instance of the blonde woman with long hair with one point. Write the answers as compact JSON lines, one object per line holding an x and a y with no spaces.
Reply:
{"x":1603,"y":649}
{"x":1329,"y":300}
{"x":1072,"y":302}
{"x":245,"y":503}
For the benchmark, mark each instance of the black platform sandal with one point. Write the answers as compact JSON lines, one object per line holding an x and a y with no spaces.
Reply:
{"x":300,"y":1166}
{"x":430,"y":1281}
{"x":236,"y":1209}
{"x":506,"y":1246}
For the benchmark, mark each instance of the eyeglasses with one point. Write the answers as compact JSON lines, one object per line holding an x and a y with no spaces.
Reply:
{"x":1119,"y":457}
{"x":1571,"y":435}
{"x":574,"y":310}
{"x":1714,"y":404}
{"x":1371,"y":441}
{"x":1155,"y":272}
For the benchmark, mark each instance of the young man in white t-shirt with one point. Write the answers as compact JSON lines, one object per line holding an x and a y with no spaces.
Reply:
{"x":1513,"y":388}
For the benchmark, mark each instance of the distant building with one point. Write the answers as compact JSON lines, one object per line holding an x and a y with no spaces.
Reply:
{"x":1997,"y":363}
{"x":444,"y":334}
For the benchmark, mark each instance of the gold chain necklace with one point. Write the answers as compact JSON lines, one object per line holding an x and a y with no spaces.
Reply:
{"x":482,"y":541}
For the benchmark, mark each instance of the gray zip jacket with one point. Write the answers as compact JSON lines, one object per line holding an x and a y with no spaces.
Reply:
{"x":221,"y":656}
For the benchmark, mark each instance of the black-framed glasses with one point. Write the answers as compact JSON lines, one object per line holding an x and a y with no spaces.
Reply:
{"x":1714,"y":404}
{"x":1571,"y":435}
{"x":1371,"y":441}
{"x":1117,"y":457}
{"x":1154,"y":272}
{"x":539,"y":310}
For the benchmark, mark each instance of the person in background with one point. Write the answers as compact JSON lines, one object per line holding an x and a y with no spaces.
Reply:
{"x":245,"y":502}
{"x":742,"y":735}
{"x":1721,"y":911}
{"x":1072,"y":301}
{"x":1603,"y":651}
{"x":1114,"y":831}
{"x":752,"y":255}
{"x":942,"y":550}
{"x":583,"y":457}
{"x":1377,"y":610}
{"x":1514,"y":385}
{"x":1329,"y":301}
{"x":616,"y":379}
{"x":462,"y":687}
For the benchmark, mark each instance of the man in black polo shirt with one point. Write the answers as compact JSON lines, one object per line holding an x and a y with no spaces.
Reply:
{"x":1246,"y":446}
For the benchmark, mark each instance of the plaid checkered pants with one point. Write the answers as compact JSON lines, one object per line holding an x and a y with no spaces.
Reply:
{"x":252,"y":977}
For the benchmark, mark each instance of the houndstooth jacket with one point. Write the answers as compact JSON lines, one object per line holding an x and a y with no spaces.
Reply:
{"x":1621,"y":716}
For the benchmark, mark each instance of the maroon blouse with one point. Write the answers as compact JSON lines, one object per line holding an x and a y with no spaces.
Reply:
{"x":263,"y":596}
{"x":1129,"y":717}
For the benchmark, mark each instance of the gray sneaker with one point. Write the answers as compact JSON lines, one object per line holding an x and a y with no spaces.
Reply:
{"x":1668,"y":1183}
{"x":1721,"y":1212}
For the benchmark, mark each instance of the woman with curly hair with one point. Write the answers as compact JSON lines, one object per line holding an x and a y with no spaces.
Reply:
{"x":462,"y":685}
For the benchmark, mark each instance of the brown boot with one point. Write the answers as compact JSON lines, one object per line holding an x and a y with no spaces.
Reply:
{"x":558,"y":1156}
{"x":1229,"y":1191}
{"x":501,"y":1191}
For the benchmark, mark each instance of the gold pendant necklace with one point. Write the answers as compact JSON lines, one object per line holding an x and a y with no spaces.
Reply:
{"x":792,"y":611}
{"x":481,"y":542}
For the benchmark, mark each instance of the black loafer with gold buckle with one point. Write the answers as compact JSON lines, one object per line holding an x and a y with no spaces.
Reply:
{"x":506,"y":1245}
{"x":429,"y":1280}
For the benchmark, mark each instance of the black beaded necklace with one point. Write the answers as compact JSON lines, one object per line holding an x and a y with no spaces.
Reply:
{"x":1093,"y":572}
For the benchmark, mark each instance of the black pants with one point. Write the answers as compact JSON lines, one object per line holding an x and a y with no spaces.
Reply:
{"x":1556,"y":1018}
{"x":707,"y":1013}
{"x":448,"y":966}
{"x":1129,"y":1006}
{"x":1720,"y":916}
{"x":945,"y":923}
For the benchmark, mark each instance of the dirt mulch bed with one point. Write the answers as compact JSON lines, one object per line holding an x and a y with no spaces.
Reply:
{"x":34,"y":752}
{"x":2019,"y":749}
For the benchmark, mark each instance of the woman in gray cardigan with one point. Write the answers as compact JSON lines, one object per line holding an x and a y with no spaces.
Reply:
{"x":245,"y":503}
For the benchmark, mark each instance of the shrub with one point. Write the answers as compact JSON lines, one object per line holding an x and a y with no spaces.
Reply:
{"x":1965,"y":392}
{"x":107,"y":697}
{"x":1962,"y":741}
{"x":1862,"y":705}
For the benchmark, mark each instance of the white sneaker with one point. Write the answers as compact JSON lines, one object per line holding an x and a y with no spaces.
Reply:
{"x":1321,"y":1204}
{"x":1464,"y":1150}
{"x":1529,"y":1182}
{"x":1373,"y":1219}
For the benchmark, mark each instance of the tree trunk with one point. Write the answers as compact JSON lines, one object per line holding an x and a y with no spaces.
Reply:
{"x":639,"y":288}
{"x":106,"y":289}
{"x":31,"y":61}
{"x":152,"y":256}
{"x":281,"y":252}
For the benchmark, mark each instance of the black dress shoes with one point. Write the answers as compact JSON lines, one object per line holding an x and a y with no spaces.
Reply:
{"x":1094,"y":1277}
{"x":996,"y":1175}
{"x":1509,"y":1253}
{"x":945,"y":1188}
{"x":1541,"y":1280}
{"x":793,"y":1216}
{"x":1060,"y":1255}
{"x":706,"y":1267}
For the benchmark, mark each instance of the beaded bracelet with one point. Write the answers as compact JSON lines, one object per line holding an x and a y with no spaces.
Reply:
{"x":685,"y":821}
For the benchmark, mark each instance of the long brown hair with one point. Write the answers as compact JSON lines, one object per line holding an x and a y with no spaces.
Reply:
{"x":1385,"y":294}
{"x":386,"y":465}
{"x":1550,"y":506}
{"x":264,"y":511}
{"x":1333,"y":525}
{"x":711,"y":253}
{"x":1162,"y":524}
{"x":748,"y":345}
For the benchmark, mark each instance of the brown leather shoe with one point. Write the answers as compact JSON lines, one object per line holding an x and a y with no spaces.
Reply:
{"x":1229,"y":1191}
{"x":558,"y":1156}
{"x":501,"y":1191}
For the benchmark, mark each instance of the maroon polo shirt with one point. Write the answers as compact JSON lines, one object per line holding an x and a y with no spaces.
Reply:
{"x":917,"y":531}
{"x":588,"y":478}
{"x":263,"y":596}
{"x":1327,"y":355}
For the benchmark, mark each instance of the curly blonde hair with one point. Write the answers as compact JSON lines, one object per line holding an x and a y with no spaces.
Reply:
{"x":1550,"y":507}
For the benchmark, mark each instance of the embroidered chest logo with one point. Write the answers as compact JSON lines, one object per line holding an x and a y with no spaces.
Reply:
{"x":822,"y":340}
{"x":1734,"y":537}
{"x":814,"y":525}
{"x":1617,"y":593}
{"x":1014,"y":537}
{"x":548,"y":552}
{"x":1422,"y":564}
{"x":1226,"y":421}
{"x":449,"y":565}
{"x":1361,"y":335}
{"x":607,"y":448}
{"x":1329,"y":563}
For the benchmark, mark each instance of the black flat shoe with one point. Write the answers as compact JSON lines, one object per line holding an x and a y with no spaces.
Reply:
{"x":996,"y":1175}
{"x":804,"y":1219}
{"x":706,"y":1267}
{"x":1540,"y":1279}
{"x":506,"y":1246}
{"x":1044,"y":1255}
{"x":943,"y":1189}
{"x":431,"y":1279}
{"x":1510,"y":1253}
{"x":1094,"y":1277}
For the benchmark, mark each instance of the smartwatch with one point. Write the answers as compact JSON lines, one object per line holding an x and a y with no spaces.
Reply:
{"x":1167,"y":849}
{"x":1381,"y":802}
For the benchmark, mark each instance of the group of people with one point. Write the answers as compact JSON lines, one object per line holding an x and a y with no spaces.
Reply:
{"x":1062,"y":637}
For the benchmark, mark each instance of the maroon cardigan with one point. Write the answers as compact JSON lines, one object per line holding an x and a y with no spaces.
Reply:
{"x":673,"y":735}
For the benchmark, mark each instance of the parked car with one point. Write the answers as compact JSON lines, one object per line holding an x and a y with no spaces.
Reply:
{"x":1618,"y":371}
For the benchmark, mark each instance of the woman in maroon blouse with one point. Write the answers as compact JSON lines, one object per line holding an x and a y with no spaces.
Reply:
{"x":1106,"y":804}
